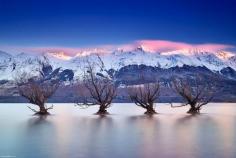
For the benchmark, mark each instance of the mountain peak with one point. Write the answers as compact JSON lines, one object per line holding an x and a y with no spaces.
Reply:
{"x":59,"y":55}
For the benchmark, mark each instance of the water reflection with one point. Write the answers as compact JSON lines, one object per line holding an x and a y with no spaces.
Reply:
{"x":100,"y":133}
{"x":71,"y":133}
{"x":147,"y":133}
{"x":192,"y":132}
{"x":38,"y":120}
{"x":36,"y":135}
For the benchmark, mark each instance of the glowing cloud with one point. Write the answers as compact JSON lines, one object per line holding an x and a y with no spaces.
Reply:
{"x":152,"y":46}
{"x":163,"y":46}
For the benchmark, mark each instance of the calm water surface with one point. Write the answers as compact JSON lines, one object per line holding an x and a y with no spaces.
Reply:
{"x":71,"y":132}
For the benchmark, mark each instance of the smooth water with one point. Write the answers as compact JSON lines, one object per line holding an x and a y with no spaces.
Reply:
{"x":71,"y":132}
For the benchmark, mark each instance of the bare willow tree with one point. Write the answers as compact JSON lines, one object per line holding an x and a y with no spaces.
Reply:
{"x":145,"y":96}
{"x":196,"y":92}
{"x":38,"y":94}
{"x":101,"y":90}
{"x":37,"y":90}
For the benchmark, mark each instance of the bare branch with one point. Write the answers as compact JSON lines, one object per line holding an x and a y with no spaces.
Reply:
{"x":177,"y":106}
{"x":36,"y":91}
{"x":32,"y":109}
{"x":145,"y":95}
{"x":51,"y":107}
{"x":101,"y":90}
{"x":195,"y":92}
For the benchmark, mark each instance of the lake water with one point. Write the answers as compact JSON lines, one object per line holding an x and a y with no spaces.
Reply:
{"x":71,"y":132}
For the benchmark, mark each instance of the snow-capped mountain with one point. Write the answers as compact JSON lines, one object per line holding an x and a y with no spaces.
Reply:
{"x":11,"y":65}
{"x":123,"y":66}
{"x":215,"y":61}
{"x":4,"y":56}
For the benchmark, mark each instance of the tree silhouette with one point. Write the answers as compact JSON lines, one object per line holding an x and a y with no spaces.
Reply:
{"x":38,"y":89}
{"x":100,"y":90}
{"x":195,"y":92}
{"x":38,"y":93}
{"x":145,"y":96}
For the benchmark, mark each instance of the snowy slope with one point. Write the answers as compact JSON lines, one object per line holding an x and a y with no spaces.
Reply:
{"x":10,"y":65}
{"x":214,"y":61}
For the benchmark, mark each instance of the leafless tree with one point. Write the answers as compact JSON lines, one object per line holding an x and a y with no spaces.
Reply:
{"x":195,"y":92}
{"x":145,"y":96}
{"x":38,"y":93}
{"x":101,"y":90}
{"x":37,"y":89}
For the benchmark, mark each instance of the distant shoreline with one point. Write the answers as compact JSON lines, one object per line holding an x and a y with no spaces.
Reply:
{"x":61,"y":99}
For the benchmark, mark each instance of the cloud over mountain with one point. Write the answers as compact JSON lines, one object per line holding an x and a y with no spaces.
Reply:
{"x":153,"y":46}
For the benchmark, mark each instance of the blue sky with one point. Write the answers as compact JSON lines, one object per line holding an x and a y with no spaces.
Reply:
{"x":88,"y":23}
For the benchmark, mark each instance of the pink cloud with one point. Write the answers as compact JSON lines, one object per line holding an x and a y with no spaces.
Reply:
{"x":162,"y":45}
{"x":148,"y":45}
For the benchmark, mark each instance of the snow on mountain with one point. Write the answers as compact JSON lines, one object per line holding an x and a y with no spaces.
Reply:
{"x":59,"y":55}
{"x":4,"y":58}
{"x":211,"y":60}
{"x":232,"y":62}
{"x":10,"y":65}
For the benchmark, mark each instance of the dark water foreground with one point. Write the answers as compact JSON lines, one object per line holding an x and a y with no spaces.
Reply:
{"x":75,"y":133}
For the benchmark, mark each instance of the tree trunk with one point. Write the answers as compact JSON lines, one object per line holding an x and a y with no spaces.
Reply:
{"x":102,"y":110}
{"x":150,"y":111}
{"x":193,"y":110}
{"x":42,"y":110}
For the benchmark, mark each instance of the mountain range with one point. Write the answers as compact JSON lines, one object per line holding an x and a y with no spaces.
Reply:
{"x":125,"y":66}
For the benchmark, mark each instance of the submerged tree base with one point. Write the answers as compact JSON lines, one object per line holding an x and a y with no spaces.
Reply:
{"x":150,"y":112}
{"x":42,"y":113}
{"x":102,"y":112}
{"x":193,"y":111}
{"x":42,"y":110}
